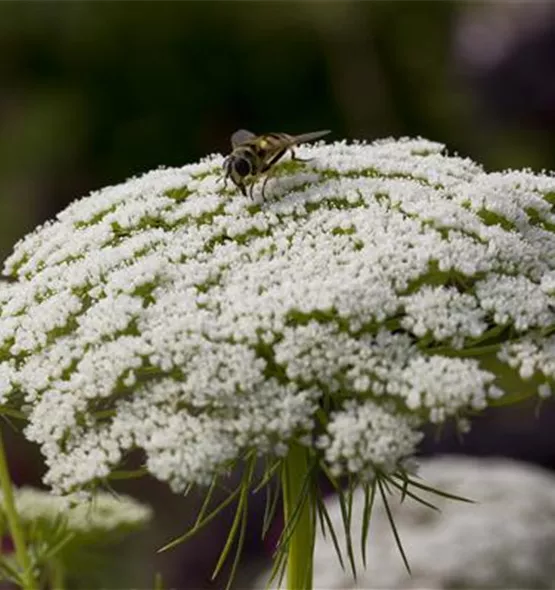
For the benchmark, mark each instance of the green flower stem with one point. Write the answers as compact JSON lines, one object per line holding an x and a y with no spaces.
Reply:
{"x":297,"y":505}
{"x":16,"y":529}
{"x":57,"y":575}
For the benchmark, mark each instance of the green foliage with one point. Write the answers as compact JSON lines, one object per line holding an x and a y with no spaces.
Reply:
{"x":82,"y":544}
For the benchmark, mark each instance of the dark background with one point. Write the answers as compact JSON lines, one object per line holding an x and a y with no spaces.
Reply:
{"x":92,"y":93}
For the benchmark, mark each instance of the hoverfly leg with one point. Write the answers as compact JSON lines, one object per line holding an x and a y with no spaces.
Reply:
{"x":226,"y":173}
{"x":294,"y":158}
{"x":271,"y":171}
{"x":264,"y":186}
{"x":251,"y":188}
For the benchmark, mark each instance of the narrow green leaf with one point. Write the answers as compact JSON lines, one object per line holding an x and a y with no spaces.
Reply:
{"x":369,"y":497}
{"x":268,"y":474}
{"x":237,"y":519}
{"x":239,"y":548}
{"x":350,"y":491}
{"x":320,"y":515}
{"x":289,"y":527}
{"x":195,"y":529}
{"x":406,"y":492}
{"x":230,"y":538}
{"x":325,"y":516}
{"x":57,"y":547}
{"x":206,"y":502}
{"x":404,"y":488}
{"x":383,"y":481}
{"x":392,"y":523}
{"x":272,"y":511}
{"x":8,"y":572}
{"x":437,"y":492}
{"x":348,"y":536}
{"x":279,"y":568}
{"x":267,"y":505}
{"x":308,"y":579}
{"x":316,"y":493}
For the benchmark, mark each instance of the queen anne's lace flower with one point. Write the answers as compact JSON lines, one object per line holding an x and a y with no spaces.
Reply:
{"x":104,"y":514}
{"x":369,"y":294}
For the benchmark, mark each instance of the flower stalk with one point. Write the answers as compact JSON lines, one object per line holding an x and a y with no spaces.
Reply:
{"x":57,"y":575}
{"x":14,"y":522}
{"x":299,"y":515}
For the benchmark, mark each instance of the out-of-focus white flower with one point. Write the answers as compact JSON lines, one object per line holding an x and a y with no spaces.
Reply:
{"x":104,"y":513}
{"x":505,"y":540}
{"x":369,"y":294}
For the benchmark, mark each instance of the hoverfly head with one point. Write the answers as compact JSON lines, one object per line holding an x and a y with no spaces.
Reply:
{"x":237,"y":167}
{"x":241,"y":166}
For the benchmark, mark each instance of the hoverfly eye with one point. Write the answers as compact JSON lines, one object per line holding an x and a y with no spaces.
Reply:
{"x":242,"y":167}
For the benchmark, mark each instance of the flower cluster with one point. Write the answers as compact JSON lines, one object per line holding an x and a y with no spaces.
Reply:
{"x":377,"y":288}
{"x":104,"y":514}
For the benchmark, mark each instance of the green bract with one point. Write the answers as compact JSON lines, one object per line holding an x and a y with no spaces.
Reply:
{"x":500,"y":541}
{"x":378,"y":288}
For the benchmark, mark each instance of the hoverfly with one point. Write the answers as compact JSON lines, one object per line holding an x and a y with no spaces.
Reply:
{"x":253,"y":155}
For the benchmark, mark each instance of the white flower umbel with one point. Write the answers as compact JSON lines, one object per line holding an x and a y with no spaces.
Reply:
{"x":502,"y":541}
{"x":103,"y":514}
{"x":377,"y":288}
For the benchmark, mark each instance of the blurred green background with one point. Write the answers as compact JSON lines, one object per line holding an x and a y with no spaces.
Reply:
{"x":94,"y":92}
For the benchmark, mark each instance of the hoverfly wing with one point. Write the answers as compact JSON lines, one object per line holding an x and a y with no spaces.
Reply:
{"x":309,"y":136}
{"x":241,"y":136}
